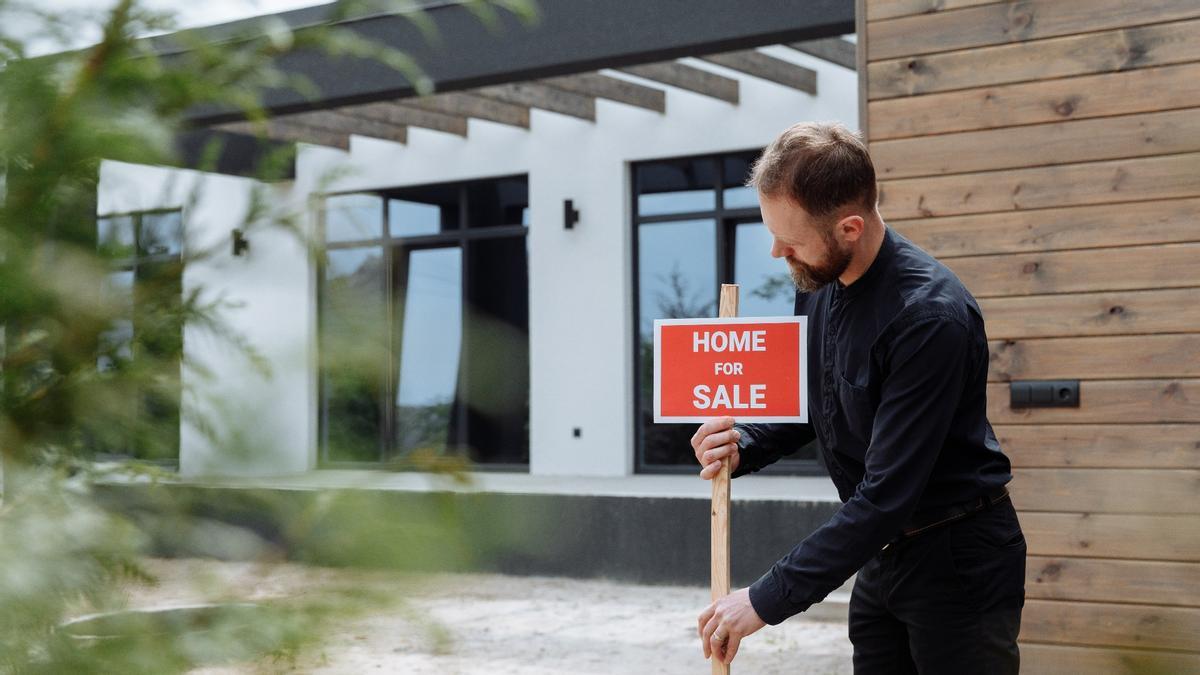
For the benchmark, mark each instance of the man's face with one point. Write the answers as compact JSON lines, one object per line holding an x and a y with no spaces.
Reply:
{"x":810,"y":247}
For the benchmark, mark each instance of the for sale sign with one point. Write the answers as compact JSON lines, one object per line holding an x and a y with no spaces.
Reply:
{"x":753,"y":369}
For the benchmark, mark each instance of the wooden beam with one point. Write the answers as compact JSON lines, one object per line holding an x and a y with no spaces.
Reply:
{"x":290,"y":132}
{"x":469,"y":105}
{"x":537,"y":95}
{"x":332,"y":120}
{"x":765,"y":67}
{"x":834,"y":50}
{"x":399,"y":115}
{"x":613,"y":89}
{"x":689,"y":78}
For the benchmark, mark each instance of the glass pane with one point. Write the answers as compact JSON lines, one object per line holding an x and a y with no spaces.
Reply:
{"x":431,"y":342}
{"x":353,"y":217}
{"x":114,"y":235}
{"x":765,"y":284}
{"x":431,"y":209}
{"x":353,"y":353}
{"x":677,"y":278}
{"x":678,"y":186}
{"x":116,"y":343}
{"x":497,"y":363}
{"x":161,"y":233}
{"x":735,"y":171}
{"x":494,"y":203}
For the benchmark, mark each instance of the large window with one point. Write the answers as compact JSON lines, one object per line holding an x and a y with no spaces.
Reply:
{"x":145,"y":280}
{"x":424,"y":317}
{"x":697,"y":226}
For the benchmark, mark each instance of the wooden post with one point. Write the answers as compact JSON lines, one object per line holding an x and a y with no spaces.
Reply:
{"x":720,"y":499}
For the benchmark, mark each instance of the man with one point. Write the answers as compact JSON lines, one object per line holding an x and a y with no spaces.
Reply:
{"x":898,"y":364}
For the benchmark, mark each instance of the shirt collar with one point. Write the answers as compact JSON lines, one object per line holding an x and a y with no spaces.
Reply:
{"x":871,"y":277}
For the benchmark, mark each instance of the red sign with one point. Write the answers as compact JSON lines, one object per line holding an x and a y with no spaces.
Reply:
{"x":752,"y":369}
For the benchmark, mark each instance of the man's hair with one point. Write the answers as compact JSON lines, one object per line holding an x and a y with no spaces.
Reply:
{"x":823,"y":166}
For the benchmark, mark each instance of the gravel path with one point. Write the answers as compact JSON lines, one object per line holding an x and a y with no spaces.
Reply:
{"x":497,"y":624}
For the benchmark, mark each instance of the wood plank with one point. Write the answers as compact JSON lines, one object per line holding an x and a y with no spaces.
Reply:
{"x":1122,"y":180}
{"x":767,"y":67}
{"x":1111,"y":401}
{"x":1110,"y":535}
{"x":1042,"y":659}
{"x":833,"y":49}
{"x":890,"y":9}
{"x":1141,"y":267}
{"x":1087,"y":54}
{"x":1163,"y":446}
{"x":1111,"y":625}
{"x":469,"y":105}
{"x":1015,"y":22}
{"x":1087,"y":96}
{"x":613,"y":89}
{"x":1148,"y":491}
{"x":1107,"y":313}
{"x":1158,"y":583}
{"x":402,"y":115}
{"x":535,"y":95}
{"x":686,"y":77}
{"x":1074,"y":227}
{"x":1088,"y":140}
{"x":1096,"y":357}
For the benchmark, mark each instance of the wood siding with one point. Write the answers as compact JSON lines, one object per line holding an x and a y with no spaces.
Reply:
{"x":1048,"y":151}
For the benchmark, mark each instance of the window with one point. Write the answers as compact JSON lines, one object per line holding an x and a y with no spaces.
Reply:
{"x":144,"y":251}
{"x":424,"y":323}
{"x":697,"y":226}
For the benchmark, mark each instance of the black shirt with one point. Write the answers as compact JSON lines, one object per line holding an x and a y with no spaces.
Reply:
{"x":897,"y":382}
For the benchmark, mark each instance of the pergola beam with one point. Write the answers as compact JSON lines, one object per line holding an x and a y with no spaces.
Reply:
{"x":686,"y":77}
{"x":401,"y":115}
{"x":613,"y":89}
{"x":536,"y":95}
{"x":834,"y":50}
{"x":290,"y":132}
{"x":470,"y":105}
{"x":767,"y":67}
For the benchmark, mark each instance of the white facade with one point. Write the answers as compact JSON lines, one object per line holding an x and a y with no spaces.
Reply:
{"x":580,"y":280}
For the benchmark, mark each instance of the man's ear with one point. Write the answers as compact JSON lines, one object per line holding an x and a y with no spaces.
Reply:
{"x":852,"y":228}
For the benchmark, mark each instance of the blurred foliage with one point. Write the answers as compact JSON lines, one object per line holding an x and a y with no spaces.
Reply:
{"x":77,"y":393}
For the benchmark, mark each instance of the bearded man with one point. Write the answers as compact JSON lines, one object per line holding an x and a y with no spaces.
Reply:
{"x":898,"y":364}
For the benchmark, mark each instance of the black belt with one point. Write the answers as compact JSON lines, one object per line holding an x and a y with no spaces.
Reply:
{"x":931,"y":518}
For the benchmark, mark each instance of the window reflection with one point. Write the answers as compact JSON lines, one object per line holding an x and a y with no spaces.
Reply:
{"x":765,"y":287}
{"x":353,"y":217}
{"x":735,"y":169}
{"x":676,"y":186}
{"x":431,"y":342}
{"x":161,"y":233}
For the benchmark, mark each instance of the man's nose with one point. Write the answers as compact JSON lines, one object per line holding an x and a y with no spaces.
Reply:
{"x":777,"y":250}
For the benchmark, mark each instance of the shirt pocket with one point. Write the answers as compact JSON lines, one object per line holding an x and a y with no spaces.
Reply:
{"x":858,"y":411}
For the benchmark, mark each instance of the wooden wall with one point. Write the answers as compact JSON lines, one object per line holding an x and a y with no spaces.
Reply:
{"x":1048,"y":151}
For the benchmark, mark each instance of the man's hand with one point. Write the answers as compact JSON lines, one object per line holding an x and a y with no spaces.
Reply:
{"x":725,"y":622}
{"x":715,"y":440}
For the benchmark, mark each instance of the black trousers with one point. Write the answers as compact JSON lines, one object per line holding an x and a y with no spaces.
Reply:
{"x":947,"y":600}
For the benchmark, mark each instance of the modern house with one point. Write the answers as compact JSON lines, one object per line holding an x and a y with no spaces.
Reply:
{"x":493,"y":256}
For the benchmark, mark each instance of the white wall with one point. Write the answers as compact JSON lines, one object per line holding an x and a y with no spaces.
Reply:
{"x":581,"y":330}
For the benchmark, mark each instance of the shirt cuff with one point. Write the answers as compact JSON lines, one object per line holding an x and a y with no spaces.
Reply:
{"x":770,"y":600}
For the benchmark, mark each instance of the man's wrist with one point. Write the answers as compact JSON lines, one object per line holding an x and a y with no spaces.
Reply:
{"x":770,"y":600}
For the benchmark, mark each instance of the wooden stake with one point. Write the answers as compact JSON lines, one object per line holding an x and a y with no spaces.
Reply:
{"x":720,"y":499}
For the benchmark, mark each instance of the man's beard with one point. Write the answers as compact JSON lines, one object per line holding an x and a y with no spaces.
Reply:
{"x":809,"y":278}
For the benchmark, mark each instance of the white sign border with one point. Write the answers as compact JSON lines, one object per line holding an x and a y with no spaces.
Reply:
{"x":802,"y":418}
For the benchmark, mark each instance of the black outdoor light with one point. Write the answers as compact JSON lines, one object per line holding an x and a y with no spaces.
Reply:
{"x":240,"y":243}
{"x":570,"y":214}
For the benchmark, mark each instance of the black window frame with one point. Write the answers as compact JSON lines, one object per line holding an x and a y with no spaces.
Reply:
{"x":726,"y":222}
{"x":461,"y":236}
{"x":131,"y":264}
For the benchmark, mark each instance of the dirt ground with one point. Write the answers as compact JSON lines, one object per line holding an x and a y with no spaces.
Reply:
{"x":497,"y":624}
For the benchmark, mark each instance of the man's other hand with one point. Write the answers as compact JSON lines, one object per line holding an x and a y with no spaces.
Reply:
{"x":715,"y":440}
{"x":725,"y":622}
